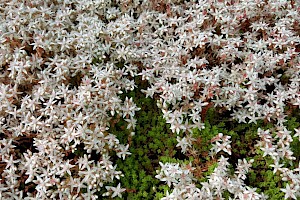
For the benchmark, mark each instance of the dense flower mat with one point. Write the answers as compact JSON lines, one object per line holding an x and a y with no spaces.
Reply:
{"x":149,"y":99}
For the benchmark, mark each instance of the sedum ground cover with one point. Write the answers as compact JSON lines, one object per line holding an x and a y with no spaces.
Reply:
{"x":149,"y":99}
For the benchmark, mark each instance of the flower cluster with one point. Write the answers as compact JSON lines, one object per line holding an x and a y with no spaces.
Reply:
{"x":277,"y":146}
{"x":241,"y":56}
{"x":234,"y":55}
{"x":60,"y":88}
{"x":182,"y":181}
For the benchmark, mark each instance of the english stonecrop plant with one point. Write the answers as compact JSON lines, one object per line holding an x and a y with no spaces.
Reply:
{"x":149,"y":99}
{"x":140,"y":167}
